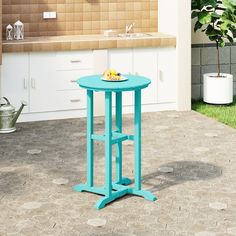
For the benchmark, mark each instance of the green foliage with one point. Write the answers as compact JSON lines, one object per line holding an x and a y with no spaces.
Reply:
{"x":216,"y":18}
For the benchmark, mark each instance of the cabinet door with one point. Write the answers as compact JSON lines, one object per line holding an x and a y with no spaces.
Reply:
{"x":67,"y":79}
{"x":121,"y":60}
{"x":15,"y":78}
{"x":42,"y":82}
{"x":69,"y":94}
{"x":166,"y":85}
{"x":145,"y":64}
{"x":74,"y":60}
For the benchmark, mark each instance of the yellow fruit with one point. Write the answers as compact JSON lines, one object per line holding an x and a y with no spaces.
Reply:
{"x":113,"y":72}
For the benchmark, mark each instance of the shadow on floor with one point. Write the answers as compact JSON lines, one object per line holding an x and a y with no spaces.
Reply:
{"x":183,"y":171}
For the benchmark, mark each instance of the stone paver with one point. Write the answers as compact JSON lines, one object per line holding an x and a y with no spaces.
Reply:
{"x":97,"y":222}
{"x":218,"y":205}
{"x":197,"y":198}
{"x":165,"y":169}
{"x":60,"y":181}
{"x":34,"y":151}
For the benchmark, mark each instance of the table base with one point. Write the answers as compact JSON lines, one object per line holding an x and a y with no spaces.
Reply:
{"x":114,"y":190}
{"x":118,"y":190}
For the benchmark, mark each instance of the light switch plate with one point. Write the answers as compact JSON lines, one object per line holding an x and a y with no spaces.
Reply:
{"x":53,"y":15}
{"x":46,"y":15}
{"x":49,"y":15}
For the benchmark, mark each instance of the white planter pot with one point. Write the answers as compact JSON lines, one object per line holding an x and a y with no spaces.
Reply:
{"x":217,"y":90}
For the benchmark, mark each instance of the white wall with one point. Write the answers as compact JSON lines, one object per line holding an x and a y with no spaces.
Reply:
{"x":174,"y":17}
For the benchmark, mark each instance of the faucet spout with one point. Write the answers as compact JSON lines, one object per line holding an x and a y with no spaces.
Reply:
{"x":128,"y":28}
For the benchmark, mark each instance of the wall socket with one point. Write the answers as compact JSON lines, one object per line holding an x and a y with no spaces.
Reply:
{"x":49,"y":15}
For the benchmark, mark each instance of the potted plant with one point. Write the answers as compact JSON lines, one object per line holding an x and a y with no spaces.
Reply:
{"x":217,"y":19}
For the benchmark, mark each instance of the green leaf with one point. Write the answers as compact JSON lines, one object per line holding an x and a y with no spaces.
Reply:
{"x":215,"y":15}
{"x":213,"y":38}
{"x":224,"y":25}
{"x":231,"y":40}
{"x":194,"y":14}
{"x":209,"y":8}
{"x":197,"y":26}
{"x":233,"y":31}
{"x":212,"y":32}
{"x":205,"y":3}
{"x":196,"y":5}
{"x":204,"y":17}
{"x":230,"y":4}
{"x":221,"y":43}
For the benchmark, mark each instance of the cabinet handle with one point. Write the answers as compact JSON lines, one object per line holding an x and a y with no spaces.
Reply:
{"x":73,"y":81}
{"x":75,"y":61}
{"x":25,"y":83}
{"x":75,"y":100}
{"x":160,"y":75}
{"x":33,"y":83}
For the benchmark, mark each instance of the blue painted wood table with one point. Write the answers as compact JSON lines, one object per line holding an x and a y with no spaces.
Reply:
{"x":118,"y":188}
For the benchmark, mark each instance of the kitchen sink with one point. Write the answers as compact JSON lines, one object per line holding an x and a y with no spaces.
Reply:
{"x":134,"y":35}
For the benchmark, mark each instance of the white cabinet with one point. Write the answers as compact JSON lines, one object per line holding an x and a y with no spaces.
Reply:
{"x":145,"y":64}
{"x":67,"y":79}
{"x":167,"y":80}
{"x":159,"y":65}
{"x":139,"y":62}
{"x":47,"y":80}
{"x":122,"y":61}
{"x":70,"y":66}
{"x":68,"y":93}
{"x":71,"y":100}
{"x":29,"y":77}
{"x":74,"y":60}
{"x":15,"y":78}
{"x":42,"y":82}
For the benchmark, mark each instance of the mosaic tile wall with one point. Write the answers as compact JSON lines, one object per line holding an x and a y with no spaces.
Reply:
{"x":80,"y":16}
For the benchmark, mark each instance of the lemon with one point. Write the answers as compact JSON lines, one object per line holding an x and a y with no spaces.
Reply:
{"x":113,"y":72}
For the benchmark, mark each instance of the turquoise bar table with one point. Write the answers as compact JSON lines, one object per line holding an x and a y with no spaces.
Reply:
{"x":118,"y":188}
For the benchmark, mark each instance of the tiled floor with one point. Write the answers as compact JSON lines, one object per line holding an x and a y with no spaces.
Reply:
{"x":41,"y":162}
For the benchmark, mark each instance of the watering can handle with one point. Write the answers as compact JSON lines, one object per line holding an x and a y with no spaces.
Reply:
{"x":6,"y":100}
{"x":24,"y":103}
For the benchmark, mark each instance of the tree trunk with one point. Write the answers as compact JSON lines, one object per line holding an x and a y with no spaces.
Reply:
{"x":218,"y":58}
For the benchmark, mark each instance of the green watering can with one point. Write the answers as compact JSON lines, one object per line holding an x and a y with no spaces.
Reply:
{"x":8,"y":116}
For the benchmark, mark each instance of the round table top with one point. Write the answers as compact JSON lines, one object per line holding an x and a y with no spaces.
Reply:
{"x":94,"y":82}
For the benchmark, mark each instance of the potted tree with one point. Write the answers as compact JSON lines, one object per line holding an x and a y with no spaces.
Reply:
{"x":217,"y":19}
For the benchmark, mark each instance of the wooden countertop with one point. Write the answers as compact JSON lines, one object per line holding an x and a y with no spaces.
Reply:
{"x":83,"y":42}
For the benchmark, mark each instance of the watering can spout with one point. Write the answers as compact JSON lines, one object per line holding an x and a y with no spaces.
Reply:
{"x":13,"y":122}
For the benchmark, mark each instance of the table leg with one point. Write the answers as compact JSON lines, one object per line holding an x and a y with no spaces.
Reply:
{"x":119,"y":178}
{"x":90,"y":142}
{"x":108,"y":144}
{"x":137,"y":152}
{"x":119,"y":144}
{"x":137,"y":140}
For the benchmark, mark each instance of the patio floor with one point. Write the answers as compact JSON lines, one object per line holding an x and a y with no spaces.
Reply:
{"x":41,"y":162}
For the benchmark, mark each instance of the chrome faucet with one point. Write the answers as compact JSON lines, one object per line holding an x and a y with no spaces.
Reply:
{"x":128,"y":28}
